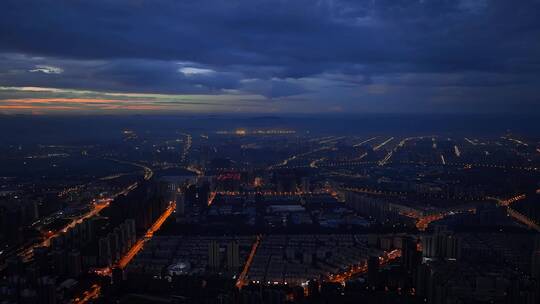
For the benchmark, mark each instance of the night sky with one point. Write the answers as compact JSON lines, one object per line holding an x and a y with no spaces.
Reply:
{"x":294,"y":56}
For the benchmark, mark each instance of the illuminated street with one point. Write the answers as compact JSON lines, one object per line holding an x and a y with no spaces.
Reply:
{"x":96,"y":208}
{"x":89,"y":295}
{"x":245,"y":269}
{"x":355,"y":270}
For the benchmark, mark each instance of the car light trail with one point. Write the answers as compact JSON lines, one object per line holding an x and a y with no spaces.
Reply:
{"x":470,"y":141}
{"x":91,"y":294}
{"x":383,"y":144}
{"x":96,"y":208}
{"x":362,"y":268}
{"x":124,"y":261}
{"x":457,"y":152}
{"x":365,"y":142}
{"x":386,"y":159}
{"x":424,"y":221}
{"x":509,"y":201}
{"x":242,"y":277}
{"x":314,"y":163}
{"x":523,"y":219}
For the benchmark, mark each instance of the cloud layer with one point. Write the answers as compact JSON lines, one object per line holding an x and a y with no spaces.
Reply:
{"x":279,"y":56}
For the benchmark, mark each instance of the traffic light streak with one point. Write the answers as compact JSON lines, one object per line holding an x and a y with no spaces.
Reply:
{"x":124,"y":261}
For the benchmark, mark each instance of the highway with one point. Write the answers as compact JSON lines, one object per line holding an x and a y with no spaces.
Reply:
{"x":96,"y":207}
{"x":148,"y":173}
{"x":362,"y":268}
{"x":88,"y":295}
{"x":457,"y":151}
{"x":364,"y":142}
{"x":26,"y":254}
{"x":516,"y":141}
{"x":383,"y":144}
{"x":389,"y":155}
{"x":423,"y":222}
{"x":470,"y":141}
{"x":132,"y":252}
{"x":195,"y":170}
{"x":95,"y":289}
{"x":459,"y":164}
{"x":26,"y":251}
{"x":124,"y":261}
{"x":187,"y":147}
{"x":508,"y":202}
{"x":371,"y":191}
{"x":443,"y":161}
{"x":516,"y":214}
{"x":298,"y":156}
{"x":314,"y":163}
{"x":272,"y":193}
{"x":211,"y":197}
{"x":386,"y":159}
{"x":523,"y":219}
{"x":245,"y":270}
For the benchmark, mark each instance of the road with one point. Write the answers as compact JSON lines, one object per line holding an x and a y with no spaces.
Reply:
{"x":423,"y":222}
{"x":386,"y":159}
{"x":470,"y":141}
{"x":510,"y":201}
{"x":389,"y":155}
{"x":523,"y":219}
{"x":298,"y":156}
{"x":148,"y":173}
{"x":27,"y":249}
{"x":96,"y":208}
{"x":457,"y":151}
{"x":124,"y":261}
{"x":443,"y":161}
{"x":187,"y":147}
{"x":195,"y":170}
{"x":132,"y":252}
{"x":362,"y":268}
{"x":383,"y":144}
{"x":91,"y":294}
{"x":272,"y":193}
{"x":516,"y":141}
{"x":514,"y":213}
{"x":364,"y":142}
{"x":243,"y":275}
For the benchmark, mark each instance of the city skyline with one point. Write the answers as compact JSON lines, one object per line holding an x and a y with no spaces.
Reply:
{"x":256,"y":210}
{"x":269,"y":57}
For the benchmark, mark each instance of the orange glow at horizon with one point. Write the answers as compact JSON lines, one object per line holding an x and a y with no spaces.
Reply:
{"x":77,"y":104}
{"x":60,"y":100}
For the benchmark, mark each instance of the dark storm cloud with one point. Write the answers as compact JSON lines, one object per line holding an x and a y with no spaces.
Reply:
{"x":136,"y":75}
{"x":265,"y":46}
{"x":296,"y":35}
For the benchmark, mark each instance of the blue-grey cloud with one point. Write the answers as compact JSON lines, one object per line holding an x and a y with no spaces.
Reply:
{"x":277,"y":48}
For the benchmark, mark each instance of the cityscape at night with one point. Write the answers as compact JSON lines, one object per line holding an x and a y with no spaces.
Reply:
{"x":270,"y":151}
